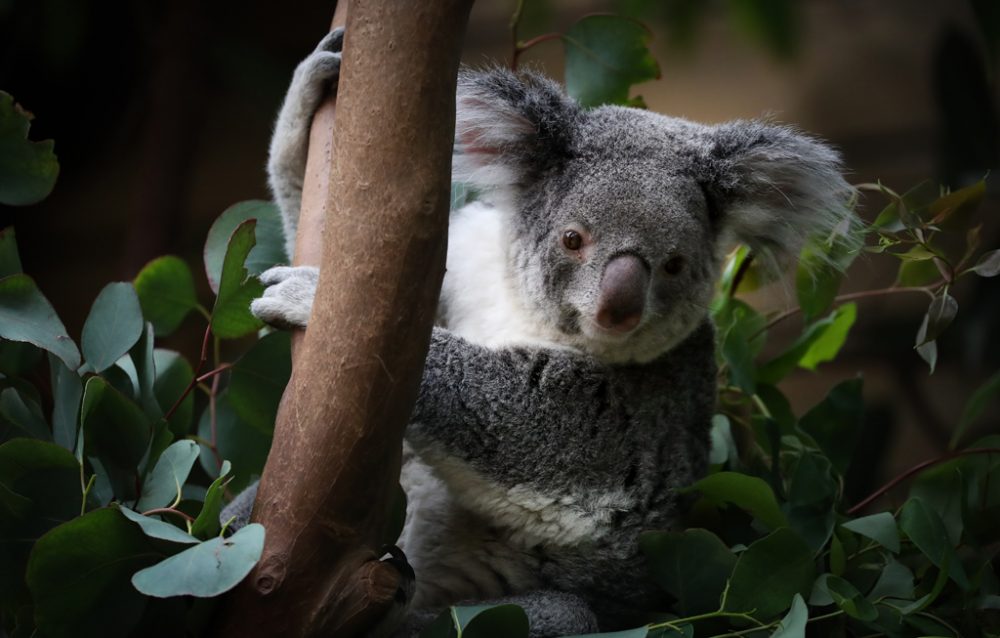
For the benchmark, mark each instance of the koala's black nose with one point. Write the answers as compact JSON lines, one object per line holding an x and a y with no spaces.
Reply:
{"x":623,"y":294}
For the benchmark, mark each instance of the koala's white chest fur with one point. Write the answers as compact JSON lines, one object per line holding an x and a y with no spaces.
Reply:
{"x":478,"y":299}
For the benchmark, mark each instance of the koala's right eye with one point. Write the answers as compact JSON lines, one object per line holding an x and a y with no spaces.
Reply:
{"x":572,"y":240}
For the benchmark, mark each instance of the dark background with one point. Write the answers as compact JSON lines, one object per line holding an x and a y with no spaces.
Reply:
{"x":161,"y":113}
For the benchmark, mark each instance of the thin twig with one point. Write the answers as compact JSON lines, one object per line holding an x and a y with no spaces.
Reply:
{"x":169,"y":510}
{"x":194,"y":380}
{"x":916,"y":469}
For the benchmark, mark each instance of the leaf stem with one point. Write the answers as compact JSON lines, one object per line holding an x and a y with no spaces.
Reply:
{"x":169,"y":510}
{"x":194,"y":380}
{"x":916,"y":469}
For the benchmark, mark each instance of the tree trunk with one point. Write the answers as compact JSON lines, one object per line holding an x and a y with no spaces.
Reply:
{"x":334,"y":464}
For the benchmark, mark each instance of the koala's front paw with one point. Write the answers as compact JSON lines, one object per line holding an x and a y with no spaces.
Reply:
{"x":288,"y":299}
{"x":319,"y":70}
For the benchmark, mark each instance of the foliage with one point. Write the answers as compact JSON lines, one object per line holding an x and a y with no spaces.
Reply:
{"x":114,"y":465}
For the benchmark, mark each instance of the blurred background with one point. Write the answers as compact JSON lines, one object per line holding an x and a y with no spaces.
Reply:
{"x":161,"y":114}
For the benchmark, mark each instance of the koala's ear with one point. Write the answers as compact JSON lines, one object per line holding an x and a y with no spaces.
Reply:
{"x":772,"y":186}
{"x":510,"y":127}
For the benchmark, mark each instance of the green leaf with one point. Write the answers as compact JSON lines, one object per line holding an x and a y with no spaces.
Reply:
{"x":173,"y":374}
{"x":112,"y":327}
{"x":954,"y":211}
{"x":206,"y":525}
{"x":895,"y":581}
{"x":811,"y":498}
{"x":605,"y":56}
{"x":26,"y":315}
{"x":155,"y":528}
{"x":23,"y":414}
{"x":849,"y":599}
{"x":774,"y":24}
{"x":835,"y":423}
{"x":269,"y":250}
{"x":10,"y":262}
{"x":39,"y":489}
{"x":880,"y":527}
{"x":79,"y":575}
{"x":693,"y":566}
{"x":208,"y":569}
{"x":743,"y":337}
{"x":144,"y":363}
{"x":258,"y":380}
{"x":166,"y":293}
{"x":820,"y":272}
{"x":829,"y":342}
{"x":245,"y":446}
{"x":744,"y":491}
{"x":115,"y":429}
{"x":939,"y":316}
{"x":988,"y":264}
{"x":793,"y":625}
{"x":231,"y":316}
{"x":917,"y":273}
{"x":928,"y":350}
{"x":163,"y":485}
{"x":28,"y":170}
{"x":67,"y":391}
{"x":924,"y":527}
{"x":769,"y":573}
{"x":490,"y":621}
{"x":917,"y":253}
{"x":974,"y":407}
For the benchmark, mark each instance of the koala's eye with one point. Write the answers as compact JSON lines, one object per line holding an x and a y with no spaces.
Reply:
{"x":572,"y":240}
{"x":674,"y":265}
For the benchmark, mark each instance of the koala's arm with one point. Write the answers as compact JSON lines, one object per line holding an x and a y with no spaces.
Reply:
{"x":559,"y":426}
{"x":286,"y":164}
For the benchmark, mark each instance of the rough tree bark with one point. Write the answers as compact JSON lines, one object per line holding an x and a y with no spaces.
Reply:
{"x":334,"y":464}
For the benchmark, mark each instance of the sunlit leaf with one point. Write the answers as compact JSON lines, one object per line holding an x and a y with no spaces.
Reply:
{"x":206,"y":525}
{"x":231,"y":316}
{"x":166,"y":293}
{"x":268,"y":251}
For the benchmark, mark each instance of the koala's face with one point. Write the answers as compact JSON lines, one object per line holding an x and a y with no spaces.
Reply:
{"x":618,"y":218}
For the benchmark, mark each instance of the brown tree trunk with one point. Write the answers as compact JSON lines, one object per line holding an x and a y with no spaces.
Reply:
{"x":334,"y":464}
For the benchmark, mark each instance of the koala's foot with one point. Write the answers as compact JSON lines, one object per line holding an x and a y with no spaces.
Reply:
{"x":286,"y":165}
{"x":288,"y":299}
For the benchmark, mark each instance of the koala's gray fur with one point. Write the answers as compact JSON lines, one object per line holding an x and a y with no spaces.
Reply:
{"x":542,"y":443}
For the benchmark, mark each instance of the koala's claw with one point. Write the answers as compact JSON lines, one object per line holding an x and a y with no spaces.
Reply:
{"x":287,"y":301}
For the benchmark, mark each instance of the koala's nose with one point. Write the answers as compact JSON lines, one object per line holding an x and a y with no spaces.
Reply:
{"x":623,"y":294}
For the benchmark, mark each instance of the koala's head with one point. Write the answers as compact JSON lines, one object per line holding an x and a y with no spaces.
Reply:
{"x":618,"y":219}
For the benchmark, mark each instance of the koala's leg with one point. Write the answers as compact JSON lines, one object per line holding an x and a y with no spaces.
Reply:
{"x":287,"y":162}
{"x":288,"y":298}
{"x":550,"y":614}
{"x":239,"y":508}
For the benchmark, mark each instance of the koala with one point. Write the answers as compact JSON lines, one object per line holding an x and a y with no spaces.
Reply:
{"x":571,"y":376}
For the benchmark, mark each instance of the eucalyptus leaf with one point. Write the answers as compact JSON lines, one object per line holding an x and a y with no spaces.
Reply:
{"x":163,"y":485}
{"x":112,"y":327}
{"x":490,"y":621}
{"x":895,"y":581}
{"x":26,"y":315}
{"x":10,"y":261}
{"x":939,"y":316}
{"x":115,"y":428}
{"x":245,"y":446}
{"x":605,"y":56}
{"x":954,"y":210}
{"x":924,"y":527}
{"x":231,"y":317}
{"x":793,"y":625}
{"x":79,"y":572}
{"x":258,"y":380}
{"x":206,"y":525}
{"x":67,"y":392}
{"x":988,"y":264}
{"x":207,"y":569}
{"x":270,"y":239}
{"x":849,"y":599}
{"x":769,"y":574}
{"x":693,"y":566}
{"x":28,"y":170}
{"x":744,"y":491}
{"x":155,"y":528}
{"x":166,"y":293}
{"x":880,"y":527}
{"x":974,"y":407}
{"x":173,"y":374}
{"x":23,"y":414}
{"x":835,"y":423}
{"x":927,"y":349}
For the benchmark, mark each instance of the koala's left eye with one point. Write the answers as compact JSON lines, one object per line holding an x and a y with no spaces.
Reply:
{"x":572,"y":240}
{"x":674,"y":265}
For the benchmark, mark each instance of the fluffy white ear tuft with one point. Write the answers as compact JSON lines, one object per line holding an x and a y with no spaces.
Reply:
{"x":508,"y":126}
{"x":775,"y":187}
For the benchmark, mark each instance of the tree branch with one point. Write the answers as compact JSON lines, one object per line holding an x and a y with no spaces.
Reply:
{"x":334,"y":464}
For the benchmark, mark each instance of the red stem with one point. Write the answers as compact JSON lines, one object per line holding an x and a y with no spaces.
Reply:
{"x":195,"y":378}
{"x":524,"y":46}
{"x":916,"y":469}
